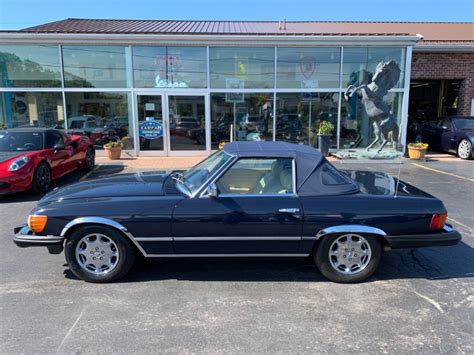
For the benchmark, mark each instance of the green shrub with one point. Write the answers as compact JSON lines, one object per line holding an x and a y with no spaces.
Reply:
{"x":418,"y":145}
{"x":326,"y":128}
{"x":114,"y":144}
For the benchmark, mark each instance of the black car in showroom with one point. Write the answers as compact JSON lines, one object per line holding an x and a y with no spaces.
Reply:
{"x":251,"y":199}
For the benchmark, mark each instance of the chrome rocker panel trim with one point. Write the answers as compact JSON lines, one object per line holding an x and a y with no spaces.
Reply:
{"x":289,"y":255}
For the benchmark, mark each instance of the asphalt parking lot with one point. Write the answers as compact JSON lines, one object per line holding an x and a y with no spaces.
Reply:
{"x":418,"y":301}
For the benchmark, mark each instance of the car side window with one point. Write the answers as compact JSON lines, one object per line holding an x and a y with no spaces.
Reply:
{"x":53,"y":138}
{"x":258,"y":176}
{"x":447,"y":123}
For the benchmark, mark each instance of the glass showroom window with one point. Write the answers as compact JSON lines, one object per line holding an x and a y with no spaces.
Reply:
{"x":95,"y":66}
{"x":24,"y":109}
{"x":359,"y":64}
{"x":102,"y":116}
{"x":357,"y":130}
{"x":300,"y":114}
{"x":29,"y":66}
{"x":248,"y":116}
{"x":308,"y":68}
{"x":170,"y":67}
{"x":242,"y":68}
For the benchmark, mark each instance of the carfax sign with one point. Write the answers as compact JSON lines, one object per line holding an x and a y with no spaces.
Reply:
{"x":151,"y":129}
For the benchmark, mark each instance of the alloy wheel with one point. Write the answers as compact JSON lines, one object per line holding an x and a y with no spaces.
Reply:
{"x":97,"y":254}
{"x":350,"y":254}
{"x":43,"y":177}
{"x":90,"y":159}
{"x":464,"y":149}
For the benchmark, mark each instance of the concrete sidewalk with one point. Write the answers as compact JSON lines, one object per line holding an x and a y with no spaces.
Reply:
{"x":151,"y":163}
{"x":165,"y":163}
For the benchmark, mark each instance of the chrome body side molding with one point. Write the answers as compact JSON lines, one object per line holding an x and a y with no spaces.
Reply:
{"x":350,"y":228}
{"x":103,"y":221}
{"x":234,"y":238}
{"x":290,"y":255}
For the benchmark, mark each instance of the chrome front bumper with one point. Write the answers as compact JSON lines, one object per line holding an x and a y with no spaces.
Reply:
{"x":25,"y":238}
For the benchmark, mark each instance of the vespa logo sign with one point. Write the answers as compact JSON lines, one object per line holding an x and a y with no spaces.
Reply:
{"x":162,"y":83}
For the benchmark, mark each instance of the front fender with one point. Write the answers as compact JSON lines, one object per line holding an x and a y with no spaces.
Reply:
{"x":100,"y":221}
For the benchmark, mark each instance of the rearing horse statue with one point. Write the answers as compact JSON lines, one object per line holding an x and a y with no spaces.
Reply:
{"x":385,"y":77}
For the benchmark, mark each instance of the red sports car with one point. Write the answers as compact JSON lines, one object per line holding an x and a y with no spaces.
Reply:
{"x":30,"y":158}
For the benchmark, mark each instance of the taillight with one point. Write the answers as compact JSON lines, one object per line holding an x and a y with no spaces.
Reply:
{"x":438,"y":220}
{"x":37,"y":223}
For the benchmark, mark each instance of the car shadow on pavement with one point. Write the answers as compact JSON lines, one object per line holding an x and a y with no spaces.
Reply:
{"x":100,"y":171}
{"x":429,"y":263}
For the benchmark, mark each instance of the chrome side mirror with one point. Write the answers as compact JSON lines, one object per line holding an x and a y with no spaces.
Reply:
{"x":212,"y":190}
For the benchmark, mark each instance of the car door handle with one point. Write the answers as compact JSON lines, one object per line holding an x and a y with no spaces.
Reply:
{"x":289,"y":210}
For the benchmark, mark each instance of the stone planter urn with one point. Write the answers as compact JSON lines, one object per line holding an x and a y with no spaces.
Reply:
{"x":417,"y":151}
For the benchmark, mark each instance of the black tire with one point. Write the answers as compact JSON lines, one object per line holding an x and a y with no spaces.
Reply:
{"x":466,"y":147}
{"x":42,"y":179}
{"x":324,"y":264}
{"x":89,"y":160}
{"x":126,"y":254}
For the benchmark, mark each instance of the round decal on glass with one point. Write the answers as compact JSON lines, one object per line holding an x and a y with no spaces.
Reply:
{"x":151,"y":129}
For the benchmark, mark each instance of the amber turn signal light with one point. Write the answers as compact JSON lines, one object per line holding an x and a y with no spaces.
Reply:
{"x":438,"y":220}
{"x":37,"y":223}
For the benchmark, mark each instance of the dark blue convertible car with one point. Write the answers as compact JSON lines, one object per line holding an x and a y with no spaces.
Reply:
{"x":252,"y":199}
{"x":451,"y":134}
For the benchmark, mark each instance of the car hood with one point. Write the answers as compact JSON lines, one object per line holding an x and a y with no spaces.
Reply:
{"x":6,"y":156}
{"x":469,"y":134}
{"x":137,"y":184}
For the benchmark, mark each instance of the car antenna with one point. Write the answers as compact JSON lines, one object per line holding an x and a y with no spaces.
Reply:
{"x":399,"y":170}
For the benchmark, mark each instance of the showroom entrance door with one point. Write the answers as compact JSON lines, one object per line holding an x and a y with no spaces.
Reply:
{"x":172,"y":124}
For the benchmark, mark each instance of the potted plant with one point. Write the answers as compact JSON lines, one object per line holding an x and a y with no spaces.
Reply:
{"x":113,"y":149}
{"x":324,"y":137}
{"x":417,"y":150}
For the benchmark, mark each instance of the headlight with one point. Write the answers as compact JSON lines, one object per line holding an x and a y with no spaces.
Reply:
{"x":19,"y":163}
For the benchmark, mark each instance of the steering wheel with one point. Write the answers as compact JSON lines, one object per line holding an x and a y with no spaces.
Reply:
{"x":29,"y":146}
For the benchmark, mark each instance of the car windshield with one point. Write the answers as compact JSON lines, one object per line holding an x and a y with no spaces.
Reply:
{"x":76,"y":124}
{"x":20,"y":141}
{"x":191,"y":180}
{"x":464,"y":124}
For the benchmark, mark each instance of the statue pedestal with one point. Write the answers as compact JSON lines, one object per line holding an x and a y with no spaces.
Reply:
{"x":370,"y":156}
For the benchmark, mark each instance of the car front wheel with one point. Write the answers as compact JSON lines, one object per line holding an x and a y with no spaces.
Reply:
{"x":99,"y":254}
{"x":89,"y":159}
{"x":348,"y":258}
{"x":465,"y":149}
{"x":42,"y":179}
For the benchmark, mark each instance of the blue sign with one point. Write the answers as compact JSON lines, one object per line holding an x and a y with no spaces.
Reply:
{"x":150,"y":130}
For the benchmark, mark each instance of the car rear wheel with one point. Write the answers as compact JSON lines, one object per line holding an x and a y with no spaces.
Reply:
{"x":42,"y":179}
{"x":348,"y":258}
{"x":99,"y":254}
{"x":465,"y":149}
{"x":89,"y":159}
